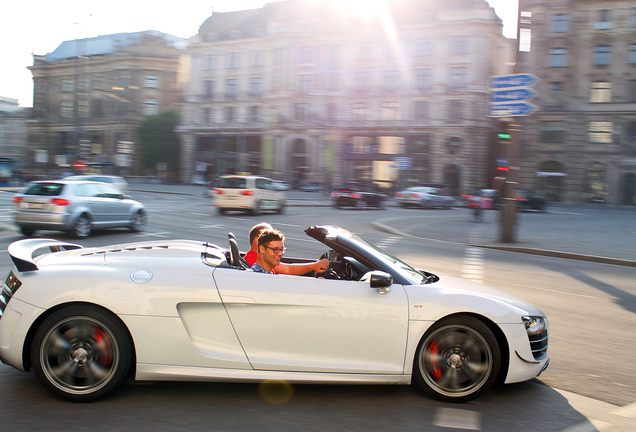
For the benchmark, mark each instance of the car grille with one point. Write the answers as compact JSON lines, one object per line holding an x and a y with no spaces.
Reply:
{"x":10,"y":286}
{"x":539,"y":345}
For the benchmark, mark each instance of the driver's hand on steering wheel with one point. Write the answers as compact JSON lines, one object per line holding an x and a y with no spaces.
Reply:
{"x":321,"y":266}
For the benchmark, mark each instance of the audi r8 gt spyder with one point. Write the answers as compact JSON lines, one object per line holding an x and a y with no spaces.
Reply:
{"x":84,"y":319}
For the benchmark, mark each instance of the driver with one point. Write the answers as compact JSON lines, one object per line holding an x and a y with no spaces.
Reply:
{"x":271,"y":248}
{"x":295,"y":269}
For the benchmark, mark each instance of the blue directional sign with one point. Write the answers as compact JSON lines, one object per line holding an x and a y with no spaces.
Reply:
{"x":512,"y":95}
{"x":515,"y":80}
{"x":403,"y":163}
{"x":511,"y":109}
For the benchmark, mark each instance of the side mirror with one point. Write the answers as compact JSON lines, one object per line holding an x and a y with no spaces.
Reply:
{"x":125,"y":196}
{"x":378,"y":279}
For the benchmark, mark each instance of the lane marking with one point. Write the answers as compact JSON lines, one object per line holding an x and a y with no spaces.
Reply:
{"x":211,"y":226}
{"x":160,"y":234}
{"x":457,"y":418}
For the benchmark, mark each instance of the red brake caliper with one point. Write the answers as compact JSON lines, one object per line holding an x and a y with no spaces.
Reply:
{"x":433,"y":351}
{"x":104,"y":347}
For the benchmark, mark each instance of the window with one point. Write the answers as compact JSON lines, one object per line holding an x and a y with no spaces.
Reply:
{"x":391,"y":80}
{"x":67,"y":85}
{"x":206,"y":115}
{"x":455,"y":111}
{"x":362,"y":81}
{"x":151,"y":106}
{"x":97,"y":108}
{"x":631,"y":91}
{"x":258,"y":58}
{"x":552,"y":132}
{"x":151,"y":81}
{"x":600,"y":92}
{"x":603,"y":21}
{"x":253,"y":113}
{"x":208,"y":89}
{"x":124,"y":81}
{"x":423,"y":80}
{"x":558,"y":57}
{"x":600,"y":132}
{"x":66,"y":110}
{"x":633,"y":20}
{"x":231,"y":89}
{"x":631,"y":56}
{"x":423,"y":47}
{"x":98,"y":83}
{"x":362,"y":144}
{"x":390,"y":110}
{"x":602,"y":55}
{"x":82,"y":107}
{"x":307,"y":54}
{"x":83,"y":84}
{"x":453,"y":146}
{"x":256,"y":87}
{"x":420,"y":111}
{"x":233,"y":60}
{"x":229,"y":114}
{"x":459,"y":45}
{"x":360,"y":111}
{"x":332,"y":81}
{"x":560,"y":23}
{"x":457,"y":79}
{"x":305,"y":83}
{"x":301,"y":111}
{"x":209,"y":62}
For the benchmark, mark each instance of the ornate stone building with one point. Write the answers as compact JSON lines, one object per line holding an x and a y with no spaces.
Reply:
{"x":581,"y":144}
{"x":310,"y":93}
{"x":90,"y":94}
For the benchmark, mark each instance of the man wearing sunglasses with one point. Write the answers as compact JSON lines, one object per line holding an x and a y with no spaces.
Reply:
{"x":296,"y":269}
{"x":271,"y":248}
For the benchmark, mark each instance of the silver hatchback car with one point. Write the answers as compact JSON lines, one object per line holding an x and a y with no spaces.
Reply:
{"x":77,"y":207}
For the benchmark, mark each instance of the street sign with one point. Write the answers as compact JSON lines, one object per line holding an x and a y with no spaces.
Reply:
{"x":513,"y":95}
{"x":515,"y":80}
{"x":511,"y":109}
{"x":403,"y":162}
{"x":79,"y":165}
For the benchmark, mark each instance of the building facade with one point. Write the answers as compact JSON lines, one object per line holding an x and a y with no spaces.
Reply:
{"x":581,"y":144}
{"x":307,"y":92}
{"x":13,"y":139}
{"x":90,"y":95}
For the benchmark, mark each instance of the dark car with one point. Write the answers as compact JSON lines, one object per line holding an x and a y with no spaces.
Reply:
{"x":527,"y":200}
{"x":357,"y":197}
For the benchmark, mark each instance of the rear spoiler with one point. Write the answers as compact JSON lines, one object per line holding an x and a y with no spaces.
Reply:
{"x":21,"y":252}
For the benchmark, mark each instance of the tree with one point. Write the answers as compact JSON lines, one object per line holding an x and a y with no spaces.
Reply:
{"x":159,"y":141}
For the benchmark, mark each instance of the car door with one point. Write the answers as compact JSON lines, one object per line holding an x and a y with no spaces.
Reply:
{"x":97,"y":207}
{"x":303,"y":324}
{"x":115,"y":207}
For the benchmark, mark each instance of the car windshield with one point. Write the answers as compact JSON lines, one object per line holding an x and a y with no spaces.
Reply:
{"x":415,"y":277}
{"x":46,"y":189}
{"x":233,"y":183}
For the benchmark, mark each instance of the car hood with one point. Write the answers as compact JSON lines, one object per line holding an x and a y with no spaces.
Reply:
{"x":459,"y":285}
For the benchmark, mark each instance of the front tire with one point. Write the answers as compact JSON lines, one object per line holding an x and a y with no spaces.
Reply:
{"x":139,"y":222}
{"x":457,"y":360}
{"x":81,"y":353}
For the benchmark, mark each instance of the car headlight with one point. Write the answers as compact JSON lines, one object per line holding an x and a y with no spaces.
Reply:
{"x":534,"y":325}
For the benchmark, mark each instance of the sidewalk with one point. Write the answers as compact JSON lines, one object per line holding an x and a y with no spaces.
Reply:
{"x":601,"y":234}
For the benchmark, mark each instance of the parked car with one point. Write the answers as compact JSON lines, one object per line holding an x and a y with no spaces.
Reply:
{"x":357,"y":197}
{"x":252,"y":194}
{"x":424,"y":197}
{"x":84,"y":318}
{"x":117,"y":181}
{"x":310,"y":187}
{"x":280,"y":185}
{"x":527,"y":200}
{"x":75,"y":206}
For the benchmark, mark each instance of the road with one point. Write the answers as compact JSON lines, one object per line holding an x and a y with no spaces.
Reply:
{"x":591,"y":307}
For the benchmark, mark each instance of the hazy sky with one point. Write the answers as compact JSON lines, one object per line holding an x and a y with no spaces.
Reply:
{"x":40,"y":26}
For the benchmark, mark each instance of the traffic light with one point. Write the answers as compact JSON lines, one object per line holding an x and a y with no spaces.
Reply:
{"x":504,"y":136}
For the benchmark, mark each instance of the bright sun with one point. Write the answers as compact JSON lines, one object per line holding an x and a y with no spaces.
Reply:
{"x":365,"y":9}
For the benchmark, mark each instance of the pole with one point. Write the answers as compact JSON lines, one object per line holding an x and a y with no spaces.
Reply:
{"x":509,"y":215}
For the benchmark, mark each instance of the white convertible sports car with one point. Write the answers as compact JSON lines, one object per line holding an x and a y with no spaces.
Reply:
{"x":86,"y":318}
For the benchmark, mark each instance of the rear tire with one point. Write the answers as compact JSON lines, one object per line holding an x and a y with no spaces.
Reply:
{"x":27,"y":231}
{"x":82,"y":227}
{"x":81,"y":353}
{"x":457,"y":360}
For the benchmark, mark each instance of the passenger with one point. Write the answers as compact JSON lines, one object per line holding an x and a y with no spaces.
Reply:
{"x":271,"y":248}
{"x":296,"y":269}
